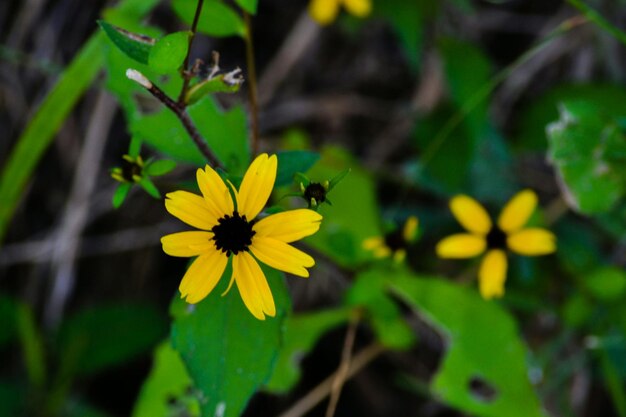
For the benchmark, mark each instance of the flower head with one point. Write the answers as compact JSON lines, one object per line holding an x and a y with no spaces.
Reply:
{"x":229,"y":228}
{"x":394,"y":243}
{"x":507,"y":234}
{"x":325,"y":12}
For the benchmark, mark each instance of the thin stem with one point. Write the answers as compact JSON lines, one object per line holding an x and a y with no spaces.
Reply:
{"x":252,"y":89}
{"x":344,"y":366}
{"x":452,"y":123}
{"x":317,"y":394}
{"x":597,"y":18}
{"x":179,"y":111}
{"x":186,"y":76}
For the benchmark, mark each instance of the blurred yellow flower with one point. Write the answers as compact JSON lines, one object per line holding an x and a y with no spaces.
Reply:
{"x":325,"y":12}
{"x":229,"y":229}
{"x":508,"y":233}
{"x":393,"y":244}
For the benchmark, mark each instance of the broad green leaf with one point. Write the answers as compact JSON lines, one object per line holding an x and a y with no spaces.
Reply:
{"x":301,"y":334}
{"x":216,"y":18}
{"x":149,"y":187}
{"x":169,"y":52}
{"x":589,"y":151}
{"x":381,"y":311}
{"x":353,"y":217}
{"x":291,"y":162}
{"x":104,"y":336}
{"x":577,"y":310}
{"x":606,"y":283}
{"x":531,"y":132}
{"x":51,"y":113}
{"x":228,"y":352}
{"x":168,"y":380}
{"x":248,"y":5}
{"x":218,"y":84}
{"x":137,"y":47}
{"x":482,"y":345}
{"x":157,"y":168}
{"x":163,"y":131}
{"x":407,"y":19}
{"x":8,"y":315}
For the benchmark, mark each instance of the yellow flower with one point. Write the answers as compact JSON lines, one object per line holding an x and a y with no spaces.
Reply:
{"x":325,"y":12}
{"x":229,"y":229}
{"x":130,"y":171}
{"x":393,"y":244}
{"x":508,"y":233}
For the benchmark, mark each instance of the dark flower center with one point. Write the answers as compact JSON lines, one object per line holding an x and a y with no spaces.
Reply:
{"x":129,"y":170}
{"x":395,"y":240}
{"x":316,"y":191}
{"x":496,"y":238}
{"x":233,"y":234}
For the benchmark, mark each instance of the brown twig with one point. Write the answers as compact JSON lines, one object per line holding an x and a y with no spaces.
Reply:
{"x":186,"y":76}
{"x":344,"y":366}
{"x":179,"y":111}
{"x":252,"y":88}
{"x":317,"y":394}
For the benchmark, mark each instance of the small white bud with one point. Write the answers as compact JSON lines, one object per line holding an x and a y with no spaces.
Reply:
{"x":139,"y":78}
{"x":233,"y":78}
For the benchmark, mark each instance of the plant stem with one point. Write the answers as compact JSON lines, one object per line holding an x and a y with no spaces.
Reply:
{"x":597,"y":18}
{"x":186,"y":76}
{"x":344,"y":366}
{"x":252,"y":89}
{"x":180,"y":112}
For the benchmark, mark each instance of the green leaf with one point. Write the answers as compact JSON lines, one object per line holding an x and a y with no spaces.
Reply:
{"x":216,"y":18}
{"x":539,"y":113}
{"x":228,"y":352}
{"x":169,"y":52}
{"x":163,"y":131}
{"x":12,"y":399}
{"x":168,"y":380}
{"x":149,"y":187}
{"x":301,"y":334}
{"x":157,"y":168}
{"x":588,"y":149}
{"x":216,"y":84}
{"x":353,"y":217}
{"x":137,"y":47}
{"x":292,"y":162}
{"x":482,"y":344}
{"x":32,"y":345}
{"x":120,"y":194}
{"x":8,"y":314}
{"x":383,"y":313}
{"x":248,"y":5}
{"x":99,"y":337}
{"x":606,"y":283}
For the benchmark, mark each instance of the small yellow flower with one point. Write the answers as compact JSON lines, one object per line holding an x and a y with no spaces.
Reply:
{"x":508,"y":233}
{"x":395,"y":243}
{"x":325,"y":12}
{"x":229,"y":229}
{"x":130,"y":171}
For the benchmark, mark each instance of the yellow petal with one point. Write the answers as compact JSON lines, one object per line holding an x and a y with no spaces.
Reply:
{"x":532,"y":242}
{"x":289,"y":226}
{"x":282,"y":256}
{"x":382,"y":252}
{"x":517,"y":211}
{"x":202,"y":276}
{"x":186,"y":244}
{"x":215,"y":192}
{"x":257,"y":185}
{"x":492,"y":274}
{"x":191,"y":209}
{"x":324,"y":12}
{"x":410,"y":229}
{"x":253,"y":287}
{"x":373,"y":242}
{"x":461,"y":245}
{"x":470,"y":214}
{"x":359,"y":8}
{"x":399,"y":255}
